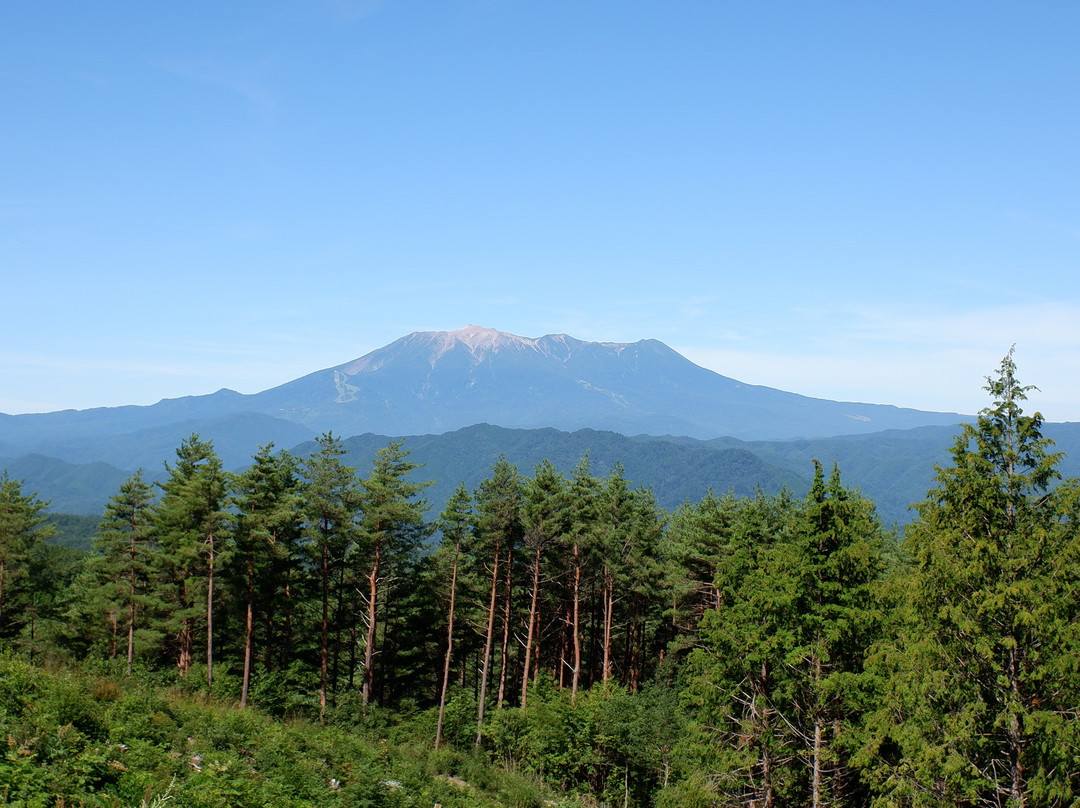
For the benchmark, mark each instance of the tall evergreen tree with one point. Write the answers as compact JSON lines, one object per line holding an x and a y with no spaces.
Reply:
{"x":191,"y":520}
{"x":498,"y":531}
{"x":743,"y":687}
{"x":545,"y":515}
{"x":22,"y":527}
{"x":268,"y":524}
{"x":581,"y":542}
{"x":840,"y":550}
{"x":124,"y":569}
{"x":628,"y":535}
{"x":981,"y":705}
{"x":455,"y":524}
{"x":332,"y":499}
{"x":391,"y":530}
{"x":696,"y":546}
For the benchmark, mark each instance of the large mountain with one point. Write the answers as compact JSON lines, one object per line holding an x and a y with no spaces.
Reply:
{"x":436,"y":382}
{"x":444,"y":380}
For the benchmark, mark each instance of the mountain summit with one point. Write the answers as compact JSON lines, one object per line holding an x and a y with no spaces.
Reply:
{"x":479,"y":342}
{"x":440,"y":381}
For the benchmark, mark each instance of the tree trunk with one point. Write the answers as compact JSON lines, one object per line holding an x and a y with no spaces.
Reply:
{"x":131,"y":607}
{"x":449,"y":646}
{"x":506,"y":628}
{"x":373,"y":614}
{"x":186,"y":642}
{"x":339,"y":611}
{"x":210,"y":614}
{"x":609,"y":607}
{"x":532,"y":625}
{"x":815,"y":780}
{"x":114,"y":631}
{"x":185,"y":637}
{"x":575,"y":625}
{"x":249,"y":628}
{"x":324,"y":630}
{"x":815,"y":786}
{"x":759,"y":719}
{"x":487,"y":647}
{"x":1016,"y":741}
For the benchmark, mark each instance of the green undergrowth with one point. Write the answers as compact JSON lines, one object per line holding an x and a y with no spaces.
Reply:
{"x":86,"y":737}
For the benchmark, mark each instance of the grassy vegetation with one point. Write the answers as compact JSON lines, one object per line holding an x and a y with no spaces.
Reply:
{"x":90,"y":736}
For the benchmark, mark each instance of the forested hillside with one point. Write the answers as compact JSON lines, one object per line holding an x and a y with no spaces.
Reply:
{"x":309,"y":633}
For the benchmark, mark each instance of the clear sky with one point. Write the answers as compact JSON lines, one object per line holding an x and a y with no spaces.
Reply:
{"x":855,"y":201}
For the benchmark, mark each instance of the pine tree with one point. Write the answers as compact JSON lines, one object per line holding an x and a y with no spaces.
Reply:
{"x":545,"y":515}
{"x":581,"y":540}
{"x":123,"y":571}
{"x":455,"y":523}
{"x":498,"y":532}
{"x":498,"y":526}
{"x":391,"y":530}
{"x":695,"y":547}
{"x":628,"y":535}
{"x":22,"y":527}
{"x":191,"y":521}
{"x":268,"y":523}
{"x":332,"y":499}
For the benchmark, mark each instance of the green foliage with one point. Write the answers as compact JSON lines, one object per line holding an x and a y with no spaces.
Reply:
{"x":122,"y":570}
{"x":77,"y":738}
{"x":22,"y":527}
{"x":567,"y":642}
{"x":980,"y":680}
{"x":191,"y":524}
{"x":75,"y":531}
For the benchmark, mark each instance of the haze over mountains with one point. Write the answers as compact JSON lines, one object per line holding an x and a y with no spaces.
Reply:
{"x":435,"y":382}
{"x":721,"y":433}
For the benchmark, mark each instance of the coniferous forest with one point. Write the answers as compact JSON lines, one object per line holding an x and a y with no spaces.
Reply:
{"x":308,"y":633}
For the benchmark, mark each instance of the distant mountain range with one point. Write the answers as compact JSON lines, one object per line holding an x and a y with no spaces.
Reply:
{"x":439,"y":381}
{"x":674,"y":425}
{"x":894,"y":468}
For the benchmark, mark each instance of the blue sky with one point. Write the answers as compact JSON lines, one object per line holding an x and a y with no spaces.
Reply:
{"x":855,"y":201}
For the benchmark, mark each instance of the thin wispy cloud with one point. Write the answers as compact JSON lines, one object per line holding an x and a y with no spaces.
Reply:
{"x":248,"y":81}
{"x":908,"y":358}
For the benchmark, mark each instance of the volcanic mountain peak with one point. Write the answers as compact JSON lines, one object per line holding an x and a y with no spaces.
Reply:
{"x":479,"y":342}
{"x":476,"y":338}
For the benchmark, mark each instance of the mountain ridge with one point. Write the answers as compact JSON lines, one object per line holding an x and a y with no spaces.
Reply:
{"x":432,"y":381}
{"x":437,"y":382}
